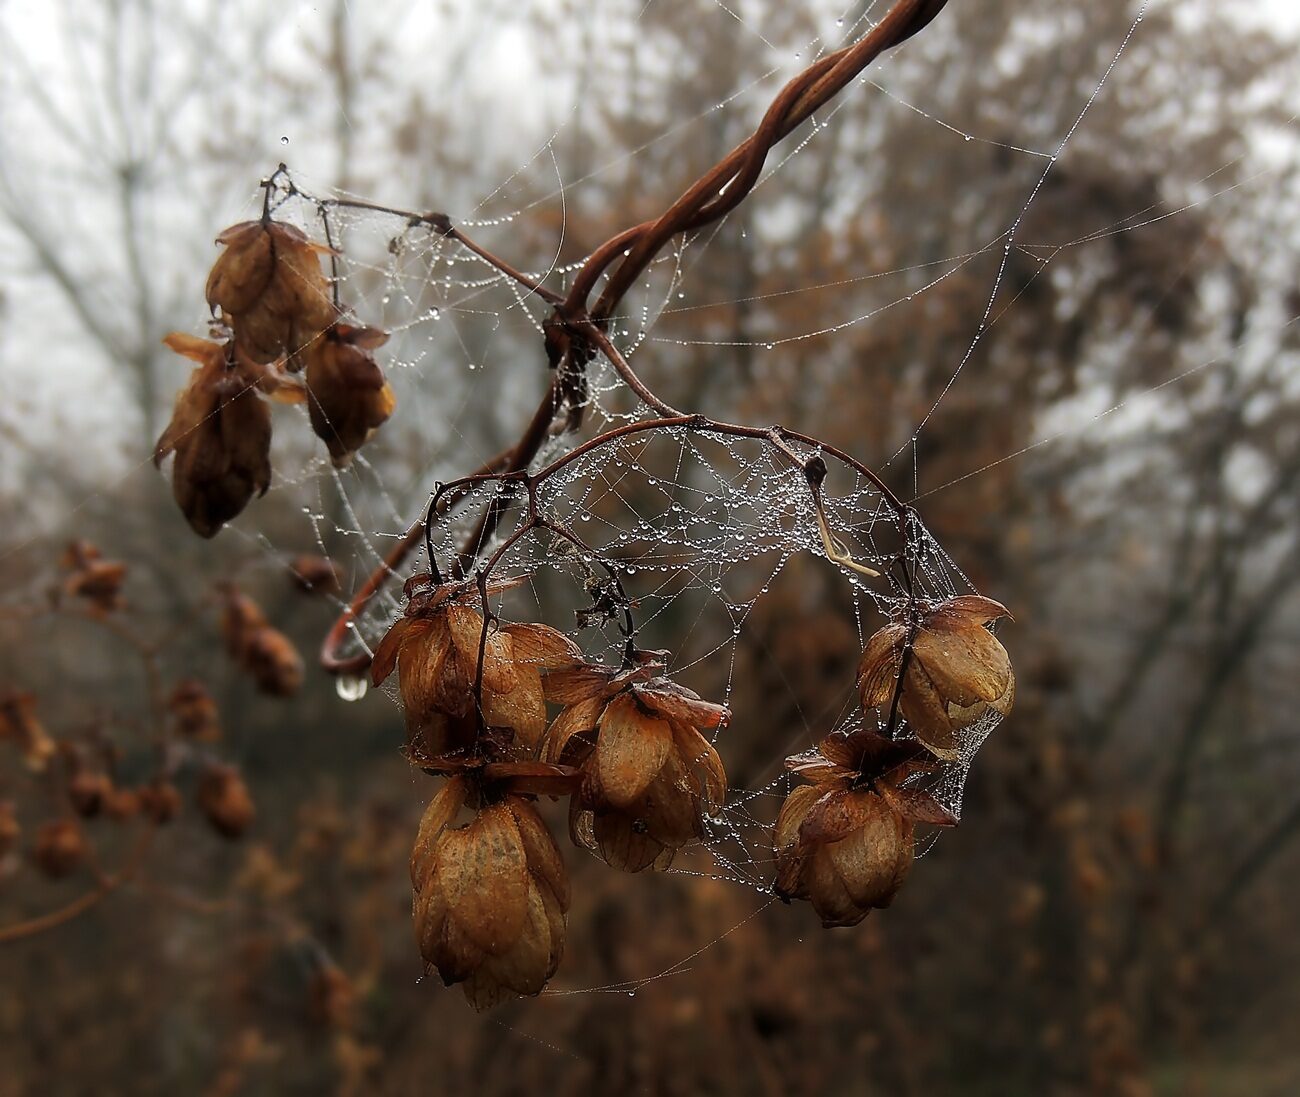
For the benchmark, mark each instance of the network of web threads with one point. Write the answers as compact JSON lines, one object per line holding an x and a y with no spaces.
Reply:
{"x":684,"y":518}
{"x":707,"y":520}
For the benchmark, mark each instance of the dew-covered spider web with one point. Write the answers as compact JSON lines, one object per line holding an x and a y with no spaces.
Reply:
{"x":688,"y":528}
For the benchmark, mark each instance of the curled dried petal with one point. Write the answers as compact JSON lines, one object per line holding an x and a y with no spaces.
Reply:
{"x":631,"y":748}
{"x":673,"y":702}
{"x":439,"y":815}
{"x":577,"y":719}
{"x":483,"y":870}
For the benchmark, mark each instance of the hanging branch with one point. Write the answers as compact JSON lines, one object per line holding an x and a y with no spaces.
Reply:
{"x":575,"y":331}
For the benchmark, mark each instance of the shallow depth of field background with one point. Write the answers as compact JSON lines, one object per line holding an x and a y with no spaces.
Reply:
{"x":1117,"y":460}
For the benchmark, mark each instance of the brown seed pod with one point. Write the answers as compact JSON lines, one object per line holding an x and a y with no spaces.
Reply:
{"x":845,"y":842}
{"x":315,"y":574}
{"x":87,"y":792}
{"x":348,"y":398}
{"x":955,"y":672}
{"x":121,"y":804}
{"x":160,"y":801}
{"x":10,"y":829}
{"x":648,"y":773}
{"x":270,"y":289}
{"x":220,"y":431}
{"x":273,"y":662}
{"x":331,"y":998}
{"x":845,"y":851}
{"x":242,"y":273}
{"x":92,"y":578}
{"x":490,"y":896}
{"x":225,"y":801}
{"x":194,"y":711}
{"x":59,"y":848}
{"x":266,"y":653}
{"x":435,"y":650}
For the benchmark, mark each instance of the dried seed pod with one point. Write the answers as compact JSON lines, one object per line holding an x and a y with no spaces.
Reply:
{"x":220,"y":431}
{"x":331,"y":998}
{"x":435,"y":649}
{"x":955,"y":672}
{"x":160,"y":801}
{"x":121,"y":804}
{"x":315,"y":574}
{"x":242,"y":273}
{"x":845,"y":851}
{"x":87,"y":792}
{"x":348,"y":398}
{"x":648,"y":773}
{"x":225,"y":801}
{"x":490,"y":896}
{"x":269,"y":286}
{"x":96,"y":580}
{"x":18,"y":721}
{"x":267,"y":654}
{"x":60,"y":847}
{"x":845,"y":842}
{"x":10,"y":830}
{"x":240,"y":618}
{"x":194,"y":711}
{"x":273,"y":662}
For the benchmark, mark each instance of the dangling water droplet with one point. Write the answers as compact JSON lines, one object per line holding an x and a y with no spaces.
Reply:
{"x":350,"y":687}
{"x":284,"y":140}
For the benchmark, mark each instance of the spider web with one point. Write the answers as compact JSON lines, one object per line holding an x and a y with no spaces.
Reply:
{"x":698,"y":527}
{"x":695,"y":524}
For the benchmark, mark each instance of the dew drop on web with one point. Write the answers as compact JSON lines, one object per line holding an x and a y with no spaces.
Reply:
{"x":350,"y":687}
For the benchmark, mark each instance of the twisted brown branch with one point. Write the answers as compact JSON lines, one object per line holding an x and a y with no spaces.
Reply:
{"x":575,"y":331}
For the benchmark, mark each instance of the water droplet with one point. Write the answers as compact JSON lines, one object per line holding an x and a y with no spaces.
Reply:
{"x":284,"y":140}
{"x":350,"y":687}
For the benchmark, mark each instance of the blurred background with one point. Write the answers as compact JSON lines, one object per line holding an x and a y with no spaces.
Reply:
{"x":1099,"y":424}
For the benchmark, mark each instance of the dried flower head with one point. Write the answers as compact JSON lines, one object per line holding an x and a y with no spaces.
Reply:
{"x":435,"y":649}
{"x":160,"y":801}
{"x":270,"y":289}
{"x":59,"y":848}
{"x":315,"y":574}
{"x":93,"y":578}
{"x":121,"y":804}
{"x":331,"y":998}
{"x":194,"y":711}
{"x":87,"y":791}
{"x":265,"y":652}
{"x":954,"y":672}
{"x":225,"y":801}
{"x":10,"y":829}
{"x":19,"y":722}
{"x":845,"y":842}
{"x":490,"y":896}
{"x":220,"y":431}
{"x":273,"y":662}
{"x":648,"y":773}
{"x":348,"y":397}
